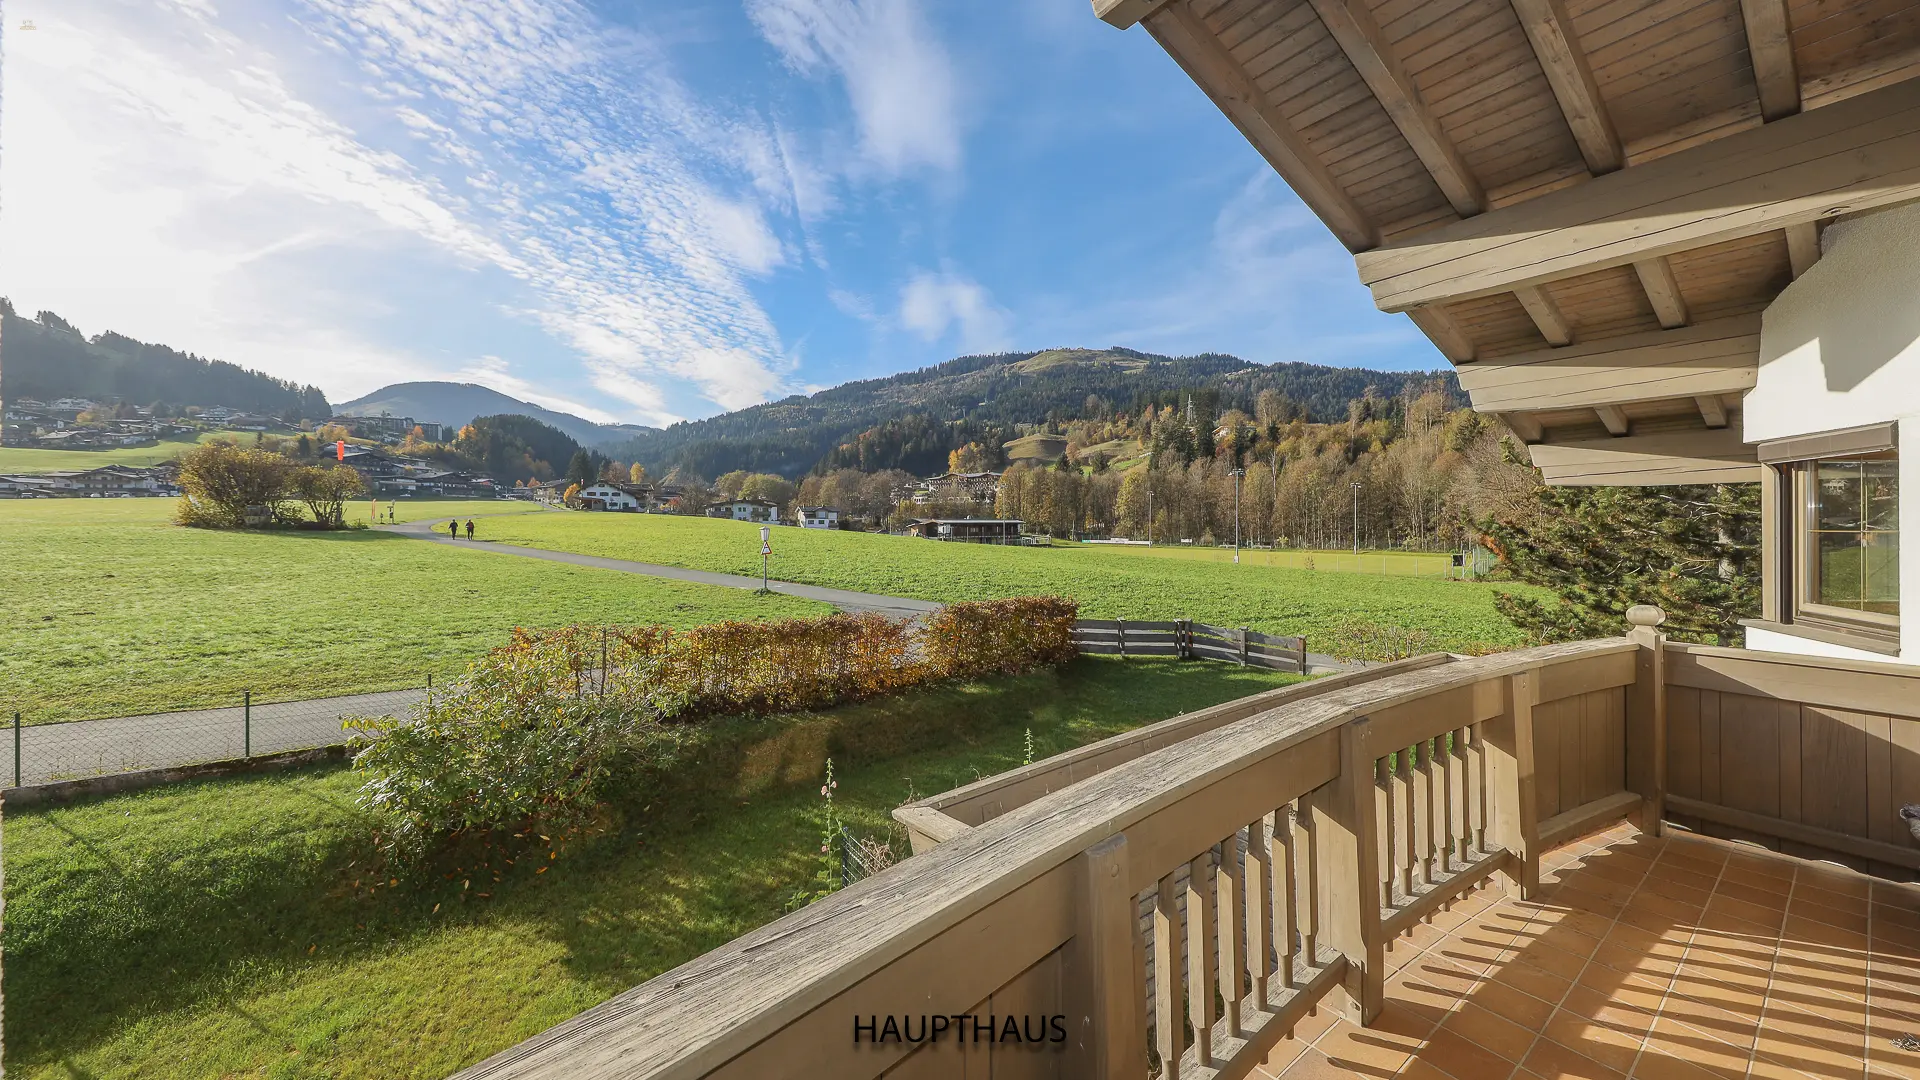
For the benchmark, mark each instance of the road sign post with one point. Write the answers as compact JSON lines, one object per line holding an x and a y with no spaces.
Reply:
{"x":766,"y":549}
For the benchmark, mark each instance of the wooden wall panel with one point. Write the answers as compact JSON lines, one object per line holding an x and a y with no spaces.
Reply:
{"x":1833,"y":754}
{"x":1548,"y":731}
{"x":1842,"y":47}
{"x":1579,"y":749}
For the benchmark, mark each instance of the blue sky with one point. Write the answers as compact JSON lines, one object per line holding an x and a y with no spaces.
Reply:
{"x":645,"y":210}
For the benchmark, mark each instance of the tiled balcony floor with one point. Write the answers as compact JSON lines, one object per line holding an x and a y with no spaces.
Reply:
{"x":1672,"y":959}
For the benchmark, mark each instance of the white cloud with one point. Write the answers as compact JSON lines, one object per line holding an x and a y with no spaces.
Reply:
{"x":898,"y":77}
{"x":932,"y":304}
{"x":165,"y":176}
{"x":496,"y":373}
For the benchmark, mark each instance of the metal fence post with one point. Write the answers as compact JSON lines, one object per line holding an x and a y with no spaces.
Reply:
{"x":246,"y":723}
{"x":16,"y":749}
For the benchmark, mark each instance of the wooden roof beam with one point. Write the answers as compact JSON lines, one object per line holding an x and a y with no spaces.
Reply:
{"x":1207,"y":62}
{"x":1712,"y":410}
{"x":1721,"y":356}
{"x":1545,"y":314}
{"x":1771,"y":49}
{"x":1613,"y":419}
{"x":1674,"y":457}
{"x":1803,"y":246}
{"x":1853,"y":155}
{"x":1525,"y":427}
{"x":1565,"y":63}
{"x":1663,"y":292}
{"x":1124,"y":13}
{"x":1445,"y":332}
{"x":1358,"y":35}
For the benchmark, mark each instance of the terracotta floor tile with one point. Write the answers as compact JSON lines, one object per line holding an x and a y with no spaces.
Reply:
{"x":1658,"y":1065}
{"x":1609,"y":1044}
{"x":1313,"y":1065}
{"x":1833,"y":880}
{"x":1553,"y":1061}
{"x":1745,"y":910}
{"x":1365,"y":1050}
{"x":1627,"y":1009}
{"x":1502,"y":1000}
{"x":1503,"y":1037}
{"x":1527,"y":977}
{"x":1460,"y":1058}
{"x":1674,"y":1040}
{"x":1712,"y":1021}
{"x":1555,"y":961}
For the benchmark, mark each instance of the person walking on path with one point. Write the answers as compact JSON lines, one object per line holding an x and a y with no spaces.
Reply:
{"x":453,"y":529}
{"x":469,"y":528}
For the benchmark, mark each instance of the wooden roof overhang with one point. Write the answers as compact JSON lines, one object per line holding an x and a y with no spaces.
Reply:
{"x":1585,"y":204}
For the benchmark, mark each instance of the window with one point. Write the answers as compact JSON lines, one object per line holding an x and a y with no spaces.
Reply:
{"x":1847,"y":532}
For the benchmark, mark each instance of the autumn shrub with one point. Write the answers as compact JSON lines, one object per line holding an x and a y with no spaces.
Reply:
{"x":1000,"y":637}
{"x":527,"y":737}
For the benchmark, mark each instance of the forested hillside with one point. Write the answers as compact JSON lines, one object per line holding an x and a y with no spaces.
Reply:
{"x":913,"y":420}
{"x":47,"y":357}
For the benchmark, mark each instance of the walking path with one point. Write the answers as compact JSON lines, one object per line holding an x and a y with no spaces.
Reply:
{"x":156,"y":740}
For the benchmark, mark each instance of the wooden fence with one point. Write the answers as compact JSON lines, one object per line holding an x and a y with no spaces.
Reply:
{"x":1191,"y":640}
{"x":1180,"y":897}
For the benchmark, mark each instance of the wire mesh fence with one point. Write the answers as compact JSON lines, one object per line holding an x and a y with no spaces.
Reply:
{"x":250,"y":727}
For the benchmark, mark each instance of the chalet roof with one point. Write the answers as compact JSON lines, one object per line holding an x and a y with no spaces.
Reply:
{"x":1585,"y":204}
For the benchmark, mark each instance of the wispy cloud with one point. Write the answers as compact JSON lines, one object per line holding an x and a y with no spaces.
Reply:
{"x":932,"y":304}
{"x":501,"y":137}
{"x":898,"y":78}
{"x":497,"y":373}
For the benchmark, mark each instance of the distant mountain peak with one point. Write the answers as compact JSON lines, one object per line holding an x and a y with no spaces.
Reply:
{"x":455,"y":404}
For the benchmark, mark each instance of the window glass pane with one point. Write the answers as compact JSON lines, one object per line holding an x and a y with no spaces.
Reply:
{"x":1852,"y":535}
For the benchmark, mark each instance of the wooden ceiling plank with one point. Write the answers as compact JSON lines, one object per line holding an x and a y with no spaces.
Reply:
{"x":1353,"y":27}
{"x":1525,"y":427}
{"x":1612,"y":419}
{"x":1446,"y":333}
{"x":1663,"y":292}
{"x":1803,"y":246}
{"x":1712,"y":410}
{"x":1551,"y":33}
{"x":1770,"y":45}
{"x":1215,"y":71}
{"x":1545,"y":314}
{"x":1852,"y":155}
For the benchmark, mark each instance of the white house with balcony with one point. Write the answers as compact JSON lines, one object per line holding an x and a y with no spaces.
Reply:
{"x":607,"y":497}
{"x":816,"y":517}
{"x":746,"y":510}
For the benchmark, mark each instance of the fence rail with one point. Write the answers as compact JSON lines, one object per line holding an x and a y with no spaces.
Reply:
{"x":1190,"y":640}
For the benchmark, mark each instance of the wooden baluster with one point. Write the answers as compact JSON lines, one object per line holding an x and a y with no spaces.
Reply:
{"x":1443,"y":758}
{"x":1424,"y":807}
{"x":1286,"y":889}
{"x":1477,"y":758}
{"x":1168,"y":987}
{"x":1259,"y":907}
{"x":1310,"y":888}
{"x":1202,"y":984}
{"x":1462,"y":789}
{"x":1383,"y":815}
{"x":1230,"y":894}
{"x":1404,"y":823}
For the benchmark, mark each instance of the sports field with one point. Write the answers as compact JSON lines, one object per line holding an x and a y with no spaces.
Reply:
{"x":1108,"y":582}
{"x":109,"y":608}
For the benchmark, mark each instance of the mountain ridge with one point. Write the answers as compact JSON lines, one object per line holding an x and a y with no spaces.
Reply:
{"x":456,"y":404}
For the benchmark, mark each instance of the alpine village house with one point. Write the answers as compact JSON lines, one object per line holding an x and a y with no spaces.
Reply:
{"x":1667,"y":242}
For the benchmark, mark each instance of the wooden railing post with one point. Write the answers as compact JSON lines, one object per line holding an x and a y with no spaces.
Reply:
{"x":1104,"y":1004}
{"x":1516,"y":822}
{"x":1647,"y":717}
{"x":1347,"y":839}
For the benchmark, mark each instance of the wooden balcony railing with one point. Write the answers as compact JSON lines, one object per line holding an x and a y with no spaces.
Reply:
{"x":1174,"y":900}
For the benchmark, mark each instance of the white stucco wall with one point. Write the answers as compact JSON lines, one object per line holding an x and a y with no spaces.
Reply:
{"x":1840,"y":348}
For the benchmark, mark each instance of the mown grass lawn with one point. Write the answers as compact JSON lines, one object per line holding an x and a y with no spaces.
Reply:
{"x":111,"y":609}
{"x":21,"y":459}
{"x":214,"y":928}
{"x":1108,"y":582}
{"x":1392,"y":563}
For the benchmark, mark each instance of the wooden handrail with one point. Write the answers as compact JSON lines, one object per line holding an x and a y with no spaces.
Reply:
{"x":975,"y":918}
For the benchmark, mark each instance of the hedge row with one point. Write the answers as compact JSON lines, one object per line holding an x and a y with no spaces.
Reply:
{"x":782,"y":666}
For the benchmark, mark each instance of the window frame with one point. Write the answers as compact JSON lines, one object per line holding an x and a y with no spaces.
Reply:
{"x":1799,"y":553}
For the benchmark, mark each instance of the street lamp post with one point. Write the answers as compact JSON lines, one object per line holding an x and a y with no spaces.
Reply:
{"x":1149,"y":498}
{"x":1237,"y":474}
{"x":1356,"y":520}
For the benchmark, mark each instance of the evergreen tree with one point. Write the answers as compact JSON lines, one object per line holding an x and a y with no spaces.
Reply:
{"x":1693,"y":550}
{"x":581,"y":469}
